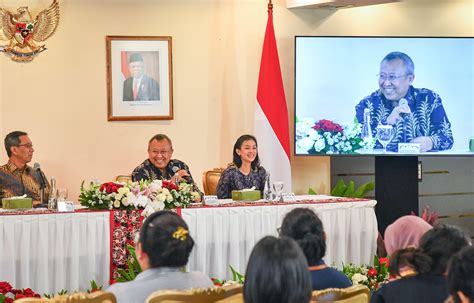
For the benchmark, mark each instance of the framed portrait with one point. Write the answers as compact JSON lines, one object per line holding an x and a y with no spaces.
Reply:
{"x":139,"y":78}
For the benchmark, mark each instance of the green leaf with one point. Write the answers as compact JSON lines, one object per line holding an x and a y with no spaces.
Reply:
{"x":363,"y":189}
{"x":236,"y":276}
{"x":124,"y":274}
{"x":2,"y":298}
{"x":131,"y":270}
{"x":349,"y":190}
{"x":339,"y":189}
{"x":312,"y":191}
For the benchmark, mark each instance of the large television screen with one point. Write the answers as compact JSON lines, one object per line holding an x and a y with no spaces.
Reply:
{"x":384,"y":95}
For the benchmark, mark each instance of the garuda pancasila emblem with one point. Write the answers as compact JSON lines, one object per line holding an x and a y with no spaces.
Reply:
{"x":23,"y":32}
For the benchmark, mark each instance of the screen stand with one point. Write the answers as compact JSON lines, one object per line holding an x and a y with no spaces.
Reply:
{"x":396,"y":188}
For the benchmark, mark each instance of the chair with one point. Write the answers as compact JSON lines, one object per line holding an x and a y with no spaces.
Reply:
{"x":95,"y":297}
{"x":210,"y":179}
{"x":123,"y":178}
{"x":226,"y":294}
{"x":354,"y":294}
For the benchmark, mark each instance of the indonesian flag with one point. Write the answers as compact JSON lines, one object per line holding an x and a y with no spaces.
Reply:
{"x":271,"y":113}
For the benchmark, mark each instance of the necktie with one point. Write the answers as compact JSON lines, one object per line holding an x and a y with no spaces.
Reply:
{"x":135,"y":89}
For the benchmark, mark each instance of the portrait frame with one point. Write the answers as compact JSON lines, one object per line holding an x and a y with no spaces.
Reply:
{"x":139,"y":78}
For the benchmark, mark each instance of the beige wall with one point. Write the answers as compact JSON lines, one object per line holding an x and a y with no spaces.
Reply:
{"x":60,"y":97}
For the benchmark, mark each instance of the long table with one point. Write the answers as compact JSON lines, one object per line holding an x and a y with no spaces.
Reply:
{"x":52,"y":251}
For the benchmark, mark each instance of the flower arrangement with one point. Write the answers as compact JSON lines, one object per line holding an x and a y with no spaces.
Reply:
{"x":8,"y":294}
{"x":371,"y":276}
{"x":237,"y":278}
{"x":150,"y":196}
{"x":327,"y":137}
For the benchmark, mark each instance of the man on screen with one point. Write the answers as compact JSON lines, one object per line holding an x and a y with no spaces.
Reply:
{"x":416,"y":114}
{"x":139,"y":87}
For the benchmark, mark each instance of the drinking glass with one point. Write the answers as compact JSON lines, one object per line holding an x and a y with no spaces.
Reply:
{"x":62,"y":194}
{"x":278,"y":187}
{"x":384,"y":135}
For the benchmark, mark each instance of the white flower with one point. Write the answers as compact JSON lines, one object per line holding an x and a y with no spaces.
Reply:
{"x":319,"y":145}
{"x":155,"y":185}
{"x":117,"y":203}
{"x":357,"y":278}
{"x":330,"y":141}
{"x":303,"y":145}
{"x":157,"y":205}
{"x":313,"y":135}
{"x":148,"y":211}
{"x":161,"y":197}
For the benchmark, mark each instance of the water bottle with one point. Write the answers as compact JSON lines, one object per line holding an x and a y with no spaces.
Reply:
{"x":52,"y":201}
{"x":267,"y":192}
{"x":366,"y":134}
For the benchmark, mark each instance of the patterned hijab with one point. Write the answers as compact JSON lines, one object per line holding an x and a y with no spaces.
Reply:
{"x":404,"y":232}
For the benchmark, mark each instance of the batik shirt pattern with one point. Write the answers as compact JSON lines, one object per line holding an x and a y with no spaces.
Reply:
{"x":427,"y":118}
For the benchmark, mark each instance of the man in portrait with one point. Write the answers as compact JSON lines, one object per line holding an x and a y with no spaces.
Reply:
{"x":139,"y":86}
{"x":416,"y":114}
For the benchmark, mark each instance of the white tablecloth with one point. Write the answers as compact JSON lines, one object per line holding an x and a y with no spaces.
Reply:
{"x":51,"y":252}
{"x":226,"y":235}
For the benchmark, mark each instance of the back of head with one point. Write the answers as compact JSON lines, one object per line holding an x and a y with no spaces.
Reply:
{"x":461,"y":273}
{"x":12,"y":139}
{"x":405,"y":232}
{"x":277,"y":272}
{"x":165,"y":239}
{"x":305,"y":227}
{"x":436,"y":247}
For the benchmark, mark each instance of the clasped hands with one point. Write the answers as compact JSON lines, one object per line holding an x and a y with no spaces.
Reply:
{"x":425,"y":142}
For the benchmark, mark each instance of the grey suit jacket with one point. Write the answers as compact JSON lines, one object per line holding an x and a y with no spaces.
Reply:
{"x":149,"y":281}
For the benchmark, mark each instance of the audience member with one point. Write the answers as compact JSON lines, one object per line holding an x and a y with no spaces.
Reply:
{"x":429,"y":260}
{"x":160,"y":166}
{"x":304,"y":226}
{"x":162,"y":251}
{"x":461,"y":277}
{"x":245,"y":171}
{"x":277,"y":272}
{"x":405,"y":232}
{"x":17,"y":178}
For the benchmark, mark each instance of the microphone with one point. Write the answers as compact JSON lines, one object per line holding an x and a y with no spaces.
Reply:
{"x":175,"y":169}
{"x":404,"y":102}
{"x":37,"y":168}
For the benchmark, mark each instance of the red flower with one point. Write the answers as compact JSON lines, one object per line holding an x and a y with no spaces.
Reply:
{"x":19,"y":296}
{"x":5,"y":287}
{"x":110,"y":187}
{"x":169,"y":185}
{"x":8,"y":300}
{"x":372,"y":272}
{"x":383,"y":261}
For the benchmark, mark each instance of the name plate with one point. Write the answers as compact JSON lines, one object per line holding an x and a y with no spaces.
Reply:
{"x":289,"y":197}
{"x":409,"y":148}
{"x":210,"y":200}
{"x":65,"y":206}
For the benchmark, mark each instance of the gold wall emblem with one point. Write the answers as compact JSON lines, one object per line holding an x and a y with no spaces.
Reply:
{"x":23,"y":32}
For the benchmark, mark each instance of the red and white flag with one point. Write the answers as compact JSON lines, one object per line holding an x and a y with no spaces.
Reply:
{"x":271,"y":114}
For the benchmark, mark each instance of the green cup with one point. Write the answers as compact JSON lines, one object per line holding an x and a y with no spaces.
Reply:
{"x":471,"y":145}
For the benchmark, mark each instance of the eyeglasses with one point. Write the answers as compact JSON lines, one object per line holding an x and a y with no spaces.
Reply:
{"x":27,"y":145}
{"x":161,"y":152}
{"x":391,"y":77}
